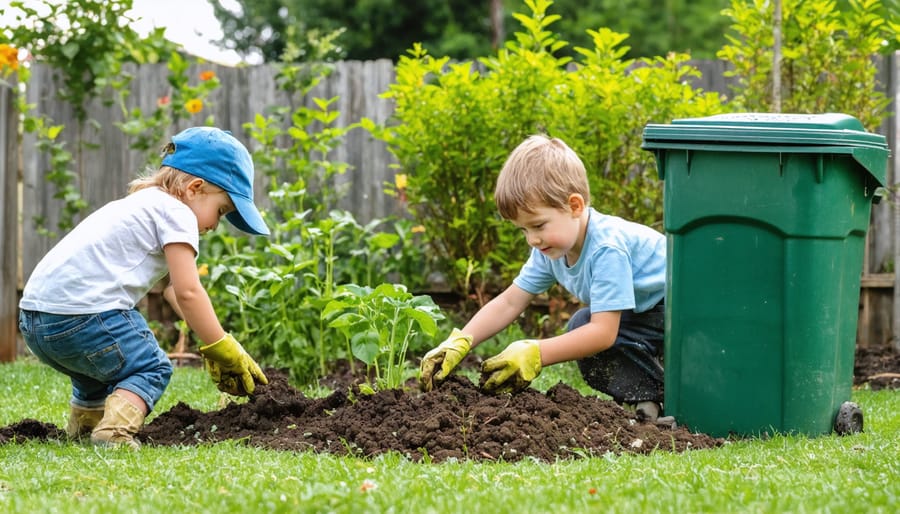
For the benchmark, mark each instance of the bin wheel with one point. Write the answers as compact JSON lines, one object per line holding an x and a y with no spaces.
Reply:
{"x":849,"y":419}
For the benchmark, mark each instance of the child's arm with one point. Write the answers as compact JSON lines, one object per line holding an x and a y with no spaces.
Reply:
{"x":189,"y":294}
{"x":229,"y":365}
{"x":521,"y":362}
{"x":169,"y":295}
{"x":497,"y":314}
{"x":584,"y":341}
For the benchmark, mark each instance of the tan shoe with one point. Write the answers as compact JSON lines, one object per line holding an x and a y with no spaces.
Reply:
{"x":82,"y":420}
{"x":647,"y":411}
{"x":121,"y":422}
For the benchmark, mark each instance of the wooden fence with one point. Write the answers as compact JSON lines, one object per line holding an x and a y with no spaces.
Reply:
{"x":105,"y":164}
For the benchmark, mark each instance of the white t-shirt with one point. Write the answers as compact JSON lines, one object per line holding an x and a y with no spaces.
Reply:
{"x":622,"y":266}
{"x":113,"y":257}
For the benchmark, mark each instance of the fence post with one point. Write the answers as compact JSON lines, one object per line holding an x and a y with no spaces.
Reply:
{"x":894,"y":144}
{"x":9,"y":222}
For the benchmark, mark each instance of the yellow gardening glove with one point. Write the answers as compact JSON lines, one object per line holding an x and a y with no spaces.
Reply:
{"x":440,"y":361}
{"x":231,"y":368}
{"x":512,"y":369}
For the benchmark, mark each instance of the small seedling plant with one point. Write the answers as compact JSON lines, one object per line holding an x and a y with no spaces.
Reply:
{"x":379,"y":325}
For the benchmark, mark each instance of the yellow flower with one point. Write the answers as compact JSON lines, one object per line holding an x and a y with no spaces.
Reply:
{"x":207,"y":75}
{"x":193,"y":105}
{"x":400,"y":180}
{"x":203,"y":270}
{"x":9,"y":57}
{"x":417,"y":229}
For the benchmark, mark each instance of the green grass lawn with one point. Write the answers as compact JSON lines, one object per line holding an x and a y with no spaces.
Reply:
{"x":858,"y":473}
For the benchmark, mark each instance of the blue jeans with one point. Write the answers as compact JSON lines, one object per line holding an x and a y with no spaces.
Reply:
{"x":100,"y":353}
{"x":631,"y":369}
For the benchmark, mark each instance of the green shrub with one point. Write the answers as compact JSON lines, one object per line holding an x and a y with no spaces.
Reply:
{"x":827,"y":57}
{"x":455,"y":124}
{"x":270,"y":292}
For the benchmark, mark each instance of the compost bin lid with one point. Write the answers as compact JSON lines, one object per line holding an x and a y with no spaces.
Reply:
{"x":759,"y":128}
{"x":830,"y":132}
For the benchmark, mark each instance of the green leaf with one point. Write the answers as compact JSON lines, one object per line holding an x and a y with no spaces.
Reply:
{"x":70,"y":50}
{"x":425,"y":320}
{"x":348,"y":319}
{"x":365,"y":346}
{"x":332,"y":307}
{"x":282,"y":251}
{"x":384,"y":240}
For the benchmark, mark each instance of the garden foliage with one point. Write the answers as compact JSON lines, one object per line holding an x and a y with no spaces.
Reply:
{"x":325,"y":287}
{"x":86,"y":43}
{"x":279,"y":294}
{"x":827,"y":57}
{"x":455,"y":123}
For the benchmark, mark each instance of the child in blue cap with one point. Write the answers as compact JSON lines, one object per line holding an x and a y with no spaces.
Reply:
{"x":77,"y":312}
{"x":615,"y":267}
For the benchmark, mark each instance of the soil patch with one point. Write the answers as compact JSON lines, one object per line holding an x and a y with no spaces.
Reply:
{"x":30,"y":430}
{"x":878,"y":367}
{"x":455,"y":421}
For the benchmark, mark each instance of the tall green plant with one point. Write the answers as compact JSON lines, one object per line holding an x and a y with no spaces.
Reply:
{"x":455,"y":123}
{"x":271,"y":291}
{"x":381,"y":325}
{"x":827,"y":63}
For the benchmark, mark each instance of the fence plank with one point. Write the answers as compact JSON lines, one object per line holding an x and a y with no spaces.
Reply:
{"x":894,"y":180}
{"x":9,"y":224}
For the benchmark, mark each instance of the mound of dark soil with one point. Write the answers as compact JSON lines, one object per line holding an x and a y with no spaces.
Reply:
{"x":30,"y":430}
{"x":456,"y":420}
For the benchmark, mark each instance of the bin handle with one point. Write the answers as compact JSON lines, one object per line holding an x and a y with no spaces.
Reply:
{"x":820,"y":169}
{"x":660,"y":155}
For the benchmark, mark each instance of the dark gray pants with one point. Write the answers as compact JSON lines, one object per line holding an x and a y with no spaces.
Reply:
{"x":631,"y":369}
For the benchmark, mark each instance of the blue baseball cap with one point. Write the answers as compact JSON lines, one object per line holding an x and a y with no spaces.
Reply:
{"x":216,"y":156}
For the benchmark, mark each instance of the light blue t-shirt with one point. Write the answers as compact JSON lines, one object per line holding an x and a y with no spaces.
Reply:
{"x":622,"y":266}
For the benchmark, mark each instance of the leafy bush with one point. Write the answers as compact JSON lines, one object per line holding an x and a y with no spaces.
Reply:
{"x":271,"y":292}
{"x":827,"y":57}
{"x":455,"y":124}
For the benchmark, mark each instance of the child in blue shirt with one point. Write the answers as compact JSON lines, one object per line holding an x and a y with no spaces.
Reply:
{"x":615,"y":267}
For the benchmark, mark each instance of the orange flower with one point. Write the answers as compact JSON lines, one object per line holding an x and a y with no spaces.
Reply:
{"x":9,"y":57}
{"x":194,"y":105}
{"x":163,"y":101}
{"x":207,"y":75}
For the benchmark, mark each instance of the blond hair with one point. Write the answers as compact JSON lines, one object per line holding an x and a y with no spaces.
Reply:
{"x":167,"y":178}
{"x":541,"y":171}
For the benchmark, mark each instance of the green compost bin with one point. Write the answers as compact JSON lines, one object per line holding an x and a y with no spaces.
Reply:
{"x":766,"y":217}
